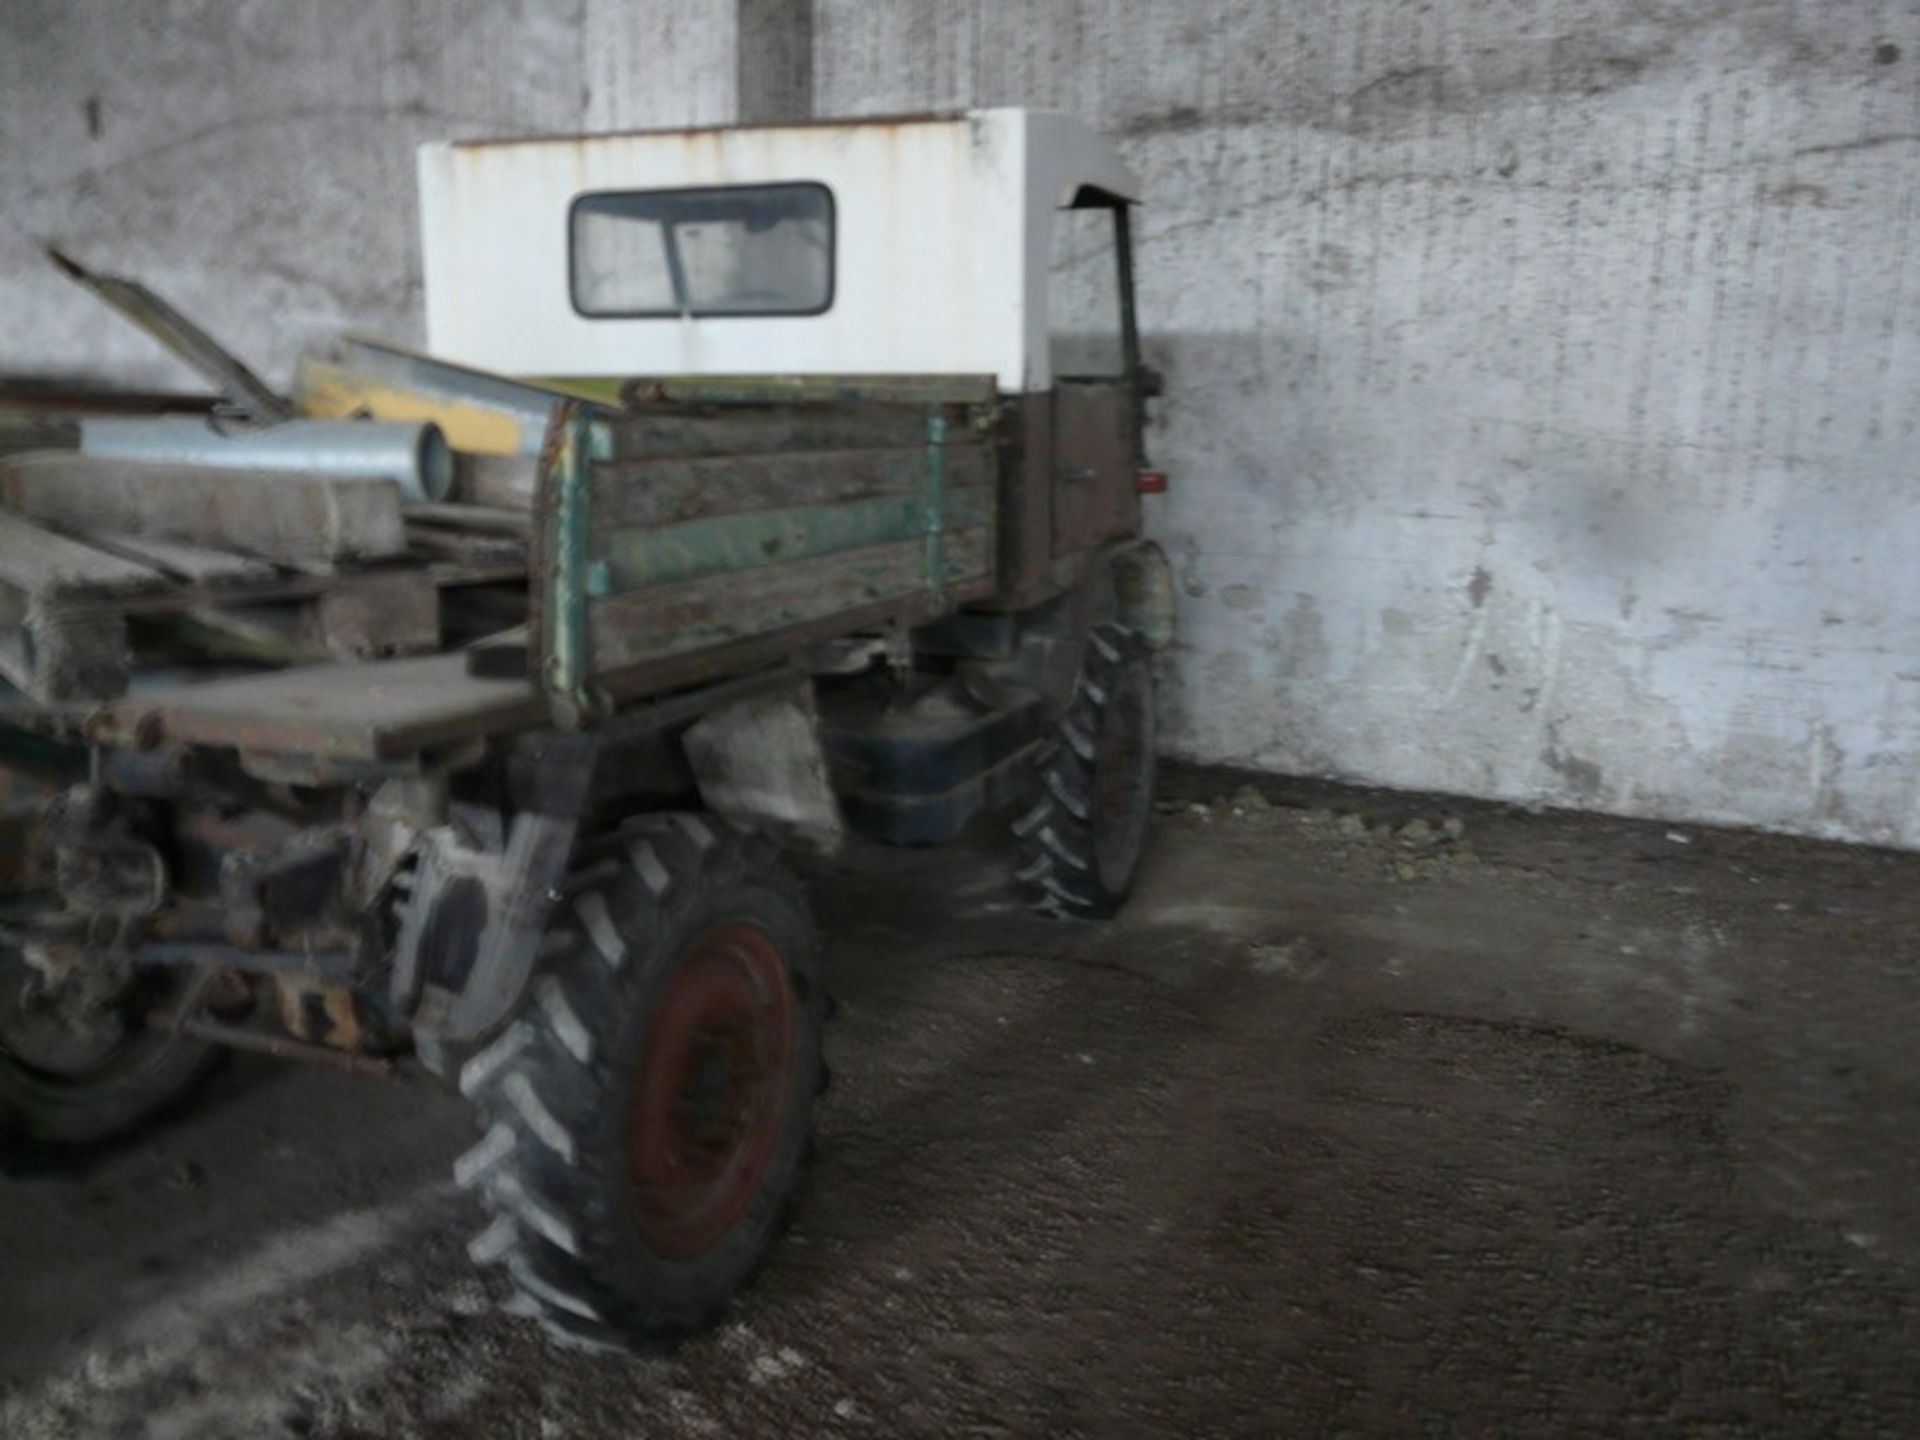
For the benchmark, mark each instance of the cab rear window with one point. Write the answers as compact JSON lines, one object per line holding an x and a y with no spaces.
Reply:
{"x":733,"y":250}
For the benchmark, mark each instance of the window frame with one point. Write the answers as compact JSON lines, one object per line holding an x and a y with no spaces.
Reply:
{"x":1120,"y":208}
{"x":673,"y":259}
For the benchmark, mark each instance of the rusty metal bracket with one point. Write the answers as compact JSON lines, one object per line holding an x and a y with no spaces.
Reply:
{"x":578,"y":439}
{"x":240,"y":1037}
{"x":470,"y":931}
{"x":565,"y":491}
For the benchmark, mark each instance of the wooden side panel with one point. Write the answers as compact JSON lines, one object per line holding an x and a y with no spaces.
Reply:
{"x":777,"y":428}
{"x":713,"y":532}
{"x":654,"y":555}
{"x":670,"y":620}
{"x":671,"y":491}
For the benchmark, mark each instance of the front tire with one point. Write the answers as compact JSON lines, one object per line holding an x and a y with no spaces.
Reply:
{"x":647,"y":1114}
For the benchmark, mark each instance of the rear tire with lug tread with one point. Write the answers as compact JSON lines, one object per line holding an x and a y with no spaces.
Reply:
{"x":1081,"y":841}
{"x":646,"y":1115}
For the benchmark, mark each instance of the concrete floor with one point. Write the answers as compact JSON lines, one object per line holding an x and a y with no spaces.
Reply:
{"x":1565,"y":1125}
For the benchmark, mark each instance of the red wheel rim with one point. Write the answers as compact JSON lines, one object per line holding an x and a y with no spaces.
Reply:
{"x":711,"y":1091}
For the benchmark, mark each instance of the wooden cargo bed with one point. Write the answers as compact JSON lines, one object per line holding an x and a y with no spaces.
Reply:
{"x":684,"y":538}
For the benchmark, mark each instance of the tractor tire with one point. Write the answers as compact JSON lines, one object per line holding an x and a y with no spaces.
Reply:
{"x":647,"y":1114}
{"x":79,"y":1080}
{"x":1081,"y":842}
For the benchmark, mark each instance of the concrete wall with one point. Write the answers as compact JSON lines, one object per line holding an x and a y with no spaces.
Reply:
{"x":1543,"y":378}
{"x":1542,"y":373}
{"x":254,"y":159}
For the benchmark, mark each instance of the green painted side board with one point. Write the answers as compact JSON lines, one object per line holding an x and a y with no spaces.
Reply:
{"x":639,"y":556}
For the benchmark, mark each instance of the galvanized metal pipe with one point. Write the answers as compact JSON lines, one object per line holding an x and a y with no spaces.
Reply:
{"x":415,"y":455}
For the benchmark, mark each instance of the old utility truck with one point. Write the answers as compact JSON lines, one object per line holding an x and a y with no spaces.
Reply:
{"x":833,"y":441}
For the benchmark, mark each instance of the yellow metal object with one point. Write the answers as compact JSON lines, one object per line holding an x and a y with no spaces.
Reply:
{"x":319,"y":1014}
{"x":599,"y":389}
{"x":334,"y":392}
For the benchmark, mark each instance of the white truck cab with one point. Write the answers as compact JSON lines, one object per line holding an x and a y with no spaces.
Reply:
{"x":987,"y":243}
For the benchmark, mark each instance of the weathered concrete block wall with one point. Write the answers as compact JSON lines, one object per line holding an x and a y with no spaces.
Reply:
{"x":1543,"y":378}
{"x":1543,"y":375}
{"x":254,"y":159}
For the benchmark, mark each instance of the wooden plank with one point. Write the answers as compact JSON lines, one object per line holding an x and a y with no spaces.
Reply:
{"x":480,"y":569}
{"x":39,"y":562}
{"x":361,"y":617}
{"x":654,"y":431}
{"x":465,"y":569}
{"x":62,"y":659}
{"x":200,"y":564}
{"x":761,"y":390}
{"x":670,"y":492}
{"x":643,"y":555}
{"x":53,"y":657}
{"x":252,"y":634}
{"x":482,"y":533}
{"x":370,"y":710}
{"x":667,"y":620}
{"x":284,"y":516}
{"x":392,"y":613}
{"x":504,"y":481}
{"x":465,"y":547}
{"x":493,"y":519}
{"x":507,"y":653}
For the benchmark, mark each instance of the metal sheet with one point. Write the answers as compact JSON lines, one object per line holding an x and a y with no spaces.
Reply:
{"x":248,"y":392}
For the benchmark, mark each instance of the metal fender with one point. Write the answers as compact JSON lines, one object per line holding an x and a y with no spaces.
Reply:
{"x":1144,"y":597}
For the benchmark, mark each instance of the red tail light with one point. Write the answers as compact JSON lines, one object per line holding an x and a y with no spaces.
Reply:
{"x":1151,"y":482}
